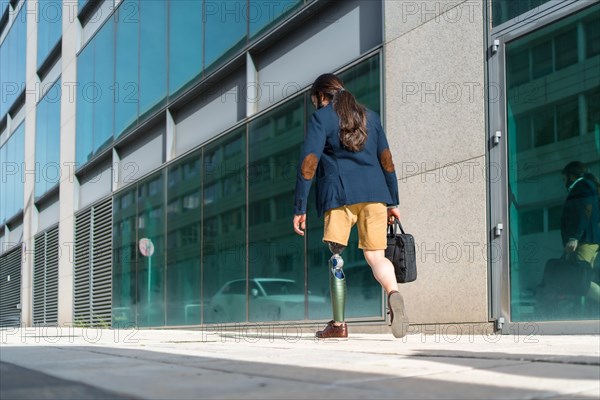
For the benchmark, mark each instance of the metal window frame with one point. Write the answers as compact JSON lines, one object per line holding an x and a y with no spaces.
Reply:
{"x":499,"y":263}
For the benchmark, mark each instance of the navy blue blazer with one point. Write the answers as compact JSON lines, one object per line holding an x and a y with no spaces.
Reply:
{"x":344,"y":177}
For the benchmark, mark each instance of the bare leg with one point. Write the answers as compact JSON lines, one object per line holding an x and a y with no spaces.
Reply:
{"x":382,"y":268}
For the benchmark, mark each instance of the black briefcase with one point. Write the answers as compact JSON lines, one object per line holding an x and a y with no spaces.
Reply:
{"x":401,"y":252}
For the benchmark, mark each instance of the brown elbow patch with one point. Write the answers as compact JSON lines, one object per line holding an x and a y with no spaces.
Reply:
{"x":386,"y":161}
{"x":309,"y":166}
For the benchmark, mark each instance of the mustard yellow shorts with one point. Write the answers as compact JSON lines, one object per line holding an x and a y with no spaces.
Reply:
{"x":371,"y":220}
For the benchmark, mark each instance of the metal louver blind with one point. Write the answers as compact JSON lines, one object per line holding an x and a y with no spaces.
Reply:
{"x":45,"y":277}
{"x":93,"y":266}
{"x":81,"y":295}
{"x":10,"y":288}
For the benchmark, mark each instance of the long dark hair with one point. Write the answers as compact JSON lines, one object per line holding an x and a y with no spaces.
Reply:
{"x":353,"y":116}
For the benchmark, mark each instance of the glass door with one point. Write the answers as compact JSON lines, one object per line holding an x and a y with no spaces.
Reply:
{"x":552,"y":125}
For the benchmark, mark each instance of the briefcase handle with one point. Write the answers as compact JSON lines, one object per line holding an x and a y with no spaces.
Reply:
{"x":393,"y":229}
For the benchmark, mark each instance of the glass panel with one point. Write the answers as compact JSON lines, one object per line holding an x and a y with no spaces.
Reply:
{"x":125,"y":252}
{"x":264,"y":13}
{"x":562,"y":112}
{"x":184,"y":241}
{"x":225,"y":29}
{"x":151,"y":251}
{"x":49,"y":27}
{"x":276,"y":253}
{"x":153,"y":54}
{"x":185,"y":42}
{"x":13,"y":155}
{"x":47,"y":141}
{"x":104,"y":77}
{"x":12,"y":62}
{"x":503,"y":10}
{"x":224,"y":230}
{"x":87,"y":93}
{"x":126,"y":84}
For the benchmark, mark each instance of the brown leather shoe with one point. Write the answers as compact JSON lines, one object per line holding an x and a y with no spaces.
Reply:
{"x":398,"y":317}
{"x":332,"y":331}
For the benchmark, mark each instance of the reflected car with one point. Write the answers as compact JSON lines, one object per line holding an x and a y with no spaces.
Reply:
{"x":271,"y":299}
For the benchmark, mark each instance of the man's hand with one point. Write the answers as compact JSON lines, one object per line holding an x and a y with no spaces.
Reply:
{"x":300,"y":224}
{"x":393,"y":213}
{"x":571,"y":246}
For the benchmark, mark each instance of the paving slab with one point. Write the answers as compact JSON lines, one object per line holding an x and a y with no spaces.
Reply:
{"x":182,"y":364}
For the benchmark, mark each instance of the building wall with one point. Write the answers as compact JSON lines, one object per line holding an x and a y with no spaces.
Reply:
{"x":435,"y":121}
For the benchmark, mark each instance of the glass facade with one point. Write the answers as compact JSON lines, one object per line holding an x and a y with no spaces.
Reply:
{"x":95,"y":95}
{"x":12,"y":157}
{"x":225,"y":213}
{"x":504,"y":10}
{"x":47,"y":141}
{"x":263,"y":13}
{"x":13,"y":51}
{"x":49,"y":19}
{"x":148,"y":50}
{"x":553,"y":116}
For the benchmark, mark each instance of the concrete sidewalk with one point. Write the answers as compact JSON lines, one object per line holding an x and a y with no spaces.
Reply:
{"x":287,"y":362}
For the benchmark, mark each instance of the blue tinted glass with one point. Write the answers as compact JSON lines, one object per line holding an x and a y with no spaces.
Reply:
{"x":185,"y":42}
{"x":126,"y":84}
{"x":4,"y":185}
{"x":87,"y":93}
{"x":184,"y":222}
{"x":504,"y":10}
{"x":47,"y":143}
{"x":224,"y":230}
{"x":3,"y":6}
{"x":41,"y":142}
{"x":153,"y":54}
{"x":274,"y":145}
{"x":225,"y":29}
{"x":12,"y":170}
{"x":13,"y":52}
{"x":104,"y":78}
{"x":263,"y":13}
{"x":125,"y":253}
{"x":151,"y":265}
{"x":49,"y":27}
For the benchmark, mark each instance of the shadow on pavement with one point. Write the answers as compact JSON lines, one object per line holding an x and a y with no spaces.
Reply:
{"x":158,"y":375}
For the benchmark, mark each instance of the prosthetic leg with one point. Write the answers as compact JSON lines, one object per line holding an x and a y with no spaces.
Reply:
{"x":337,"y":281}
{"x":337,"y":286}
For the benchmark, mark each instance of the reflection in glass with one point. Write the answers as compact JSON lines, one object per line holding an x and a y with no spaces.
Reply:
{"x":225,"y":29}
{"x":104,"y":79}
{"x":185,"y":42}
{"x":87,"y":92}
{"x":13,"y":50}
{"x":127,"y":88}
{"x":264,"y":13}
{"x":184,"y":241}
{"x":153,"y":54}
{"x":12,"y":156}
{"x":503,"y":10}
{"x":125,"y":256}
{"x":49,"y":27}
{"x":151,"y":262}
{"x":224,"y":232}
{"x":47,"y":141}
{"x":553,"y":120}
{"x":274,"y":249}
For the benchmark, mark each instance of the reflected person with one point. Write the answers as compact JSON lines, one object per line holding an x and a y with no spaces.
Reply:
{"x":580,"y":220}
{"x":346,"y":149}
